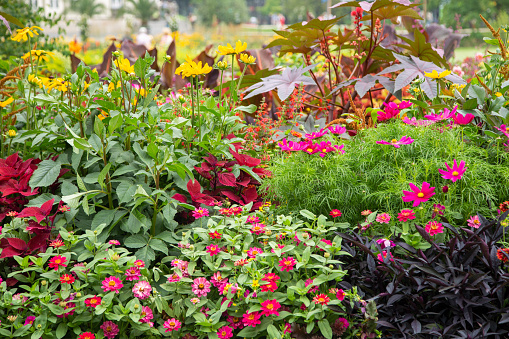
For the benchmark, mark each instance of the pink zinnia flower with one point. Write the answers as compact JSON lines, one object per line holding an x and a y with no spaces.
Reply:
{"x":112,"y":283}
{"x":200,"y":213}
{"x":406,"y":215}
{"x":172,"y":325}
{"x":174,"y":278}
{"x":418,"y":195}
{"x":474,"y":221}
{"x":280,"y":246}
{"x":180,"y":264}
{"x":252,"y":219}
{"x":86,"y":335}
{"x":29,"y":320}
{"x":434,"y":227}
{"x":312,"y":289}
{"x":110,"y":329}
{"x":200,"y":287}
{"x":253,"y":252}
{"x":218,"y":280}
{"x":235,"y":322}
{"x":337,"y":129}
{"x":366,"y":212}
{"x":455,"y":173}
{"x":213,"y":250}
{"x":146,"y":314}
{"x":93,"y":302}
{"x":251,"y":319}
{"x":241,"y":262}
{"x":225,"y":332}
{"x":114,"y":242}
{"x":287,"y":264}
{"x":341,"y":323}
{"x":383,"y":218}
{"x":57,"y":261}
{"x":438,"y":210}
{"x":257,"y":229}
{"x":67,"y":279}
{"x":139,"y":263}
{"x":335,"y":213}
{"x":225,"y":211}
{"x":384,"y":243}
{"x":340,"y":294}
{"x":288,"y":328}
{"x":132,"y":273}
{"x":270,"y":307}
{"x":236,"y":210}
{"x":142,"y":289}
{"x":321,"y":299}
{"x":403,"y":141}
{"x":461,"y":119}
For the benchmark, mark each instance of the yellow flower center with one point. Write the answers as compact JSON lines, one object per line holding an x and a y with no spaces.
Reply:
{"x":93,"y":301}
{"x":420,"y":194}
{"x":111,"y":283}
{"x":310,"y":150}
{"x":455,"y":173}
{"x":394,"y":141}
{"x":434,"y":226}
{"x":172,"y":323}
{"x":270,"y":306}
{"x":58,"y":261}
{"x":201,"y":286}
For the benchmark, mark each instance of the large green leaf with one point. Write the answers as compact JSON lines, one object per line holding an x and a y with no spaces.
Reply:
{"x":46,"y":174}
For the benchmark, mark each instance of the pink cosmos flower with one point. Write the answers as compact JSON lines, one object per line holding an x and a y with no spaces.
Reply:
{"x":474,"y":221}
{"x":389,"y":110}
{"x":57,"y":261}
{"x":172,"y":325}
{"x":438,"y":210}
{"x":142,"y":289}
{"x":461,"y":119}
{"x":316,"y":135}
{"x":213,"y":249}
{"x":325,"y":147}
{"x":112,"y":283}
{"x":270,"y":307}
{"x":434,"y":227}
{"x":287,"y":264}
{"x":446,"y":114}
{"x":114,"y":242}
{"x":254,"y":251}
{"x":132,"y":273}
{"x":455,"y":173}
{"x":139,"y":263}
{"x":146,"y":314}
{"x":200,"y":287}
{"x":340,"y":294}
{"x":337,"y":129}
{"x":406,"y":215}
{"x":252,"y":219}
{"x":29,"y":320}
{"x":504,"y":129}
{"x":414,"y":122}
{"x":418,"y":195}
{"x":383,"y":218}
{"x":403,"y":141}
{"x":225,"y":332}
{"x":235,"y":322}
{"x":292,"y":145}
{"x":257,"y":229}
{"x":385,"y":243}
{"x":335,"y":213}
{"x":200,"y":213}
{"x":110,"y":329}
{"x":251,"y":319}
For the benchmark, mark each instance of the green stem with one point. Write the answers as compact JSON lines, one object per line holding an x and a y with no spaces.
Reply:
{"x":231,"y":84}
{"x":192,"y":102}
{"x":221,"y":90}
{"x":1,"y":132}
{"x":154,"y":219}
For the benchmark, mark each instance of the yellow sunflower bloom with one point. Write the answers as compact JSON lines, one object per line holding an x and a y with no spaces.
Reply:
{"x":22,"y":34}
{"x":436,"y":75}
{"x":57,"y":83}
{"x":6,"y":102}
{"x":191,"y":68}
{"x":247,"y":59}
{"x":11,"y":133}
{"x":125,"y":65}
{"x":34,"y":80}
{"x":38,"y":54}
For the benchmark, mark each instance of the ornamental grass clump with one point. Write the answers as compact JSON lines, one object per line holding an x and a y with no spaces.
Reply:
{"x":467,"y":178}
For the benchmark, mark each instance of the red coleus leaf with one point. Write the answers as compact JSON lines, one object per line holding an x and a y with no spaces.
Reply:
{"x":38,"y":242}
{"x":243,"y":179}
{"x":17,"y":243}
{"x":39,"y":213}
{"x":194,"y":189}
{"x":206,"y":200}
{"x":211,"y":159}
{"x":249,"y":194}
{"x":227,"y":179}
{"x":10,"y":252}
{"x":180,"y":197}
{"x":245,"y":160}
{"x":203,"y":171}
{"x":231,"y":195}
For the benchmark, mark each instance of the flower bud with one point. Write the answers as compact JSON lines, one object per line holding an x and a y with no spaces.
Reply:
{"x":167,"y":58}
{"x":445,"y":189}
{"x":78,"y":295}
{"x":115,"y":257}
{"x":136,"y":306}
{"x":116,"y":54}
{"x":44,"y":282}
{"x":268,"y":232}
{"x":331,"y":266}
{"x":62,"y":304}
{"x":326,"y":254}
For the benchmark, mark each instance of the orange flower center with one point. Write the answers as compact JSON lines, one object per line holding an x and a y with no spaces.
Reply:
{"x":143,"y":314}
{"x":420,"y":194}
{"x":58,"y":261}
{"x":108,"y":329}
{"x":434,"y":226}
{"x":310,"y":150}
{"x":251,"y":317}
{"x":172,"y":323}
{"x":111,"y":283}
{"x":287,"y":262}
{"x":223,"y":333}
{"x":270,"y":306}
{"x":201,"y":286}
{"x":93,"y":301}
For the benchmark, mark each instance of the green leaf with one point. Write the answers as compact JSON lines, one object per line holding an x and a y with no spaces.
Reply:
{"x":308,"y":214}
{"x":152,"y":150}
{"x":325,"y":328}
{"x":11,"y":19}
{"x":102,"y":175}
{"x":98,"y":126}
{"x":46,"y":174}
{"x":248,"y":109}
{"x":478,"y":93}
{"x":273,"y":332}
{"x":125,"y":191}
{"x":136,"y":241}
{"x":470,"y":104}
{"x":61,"y":330}
{"x":115,"y":123}
{"x":158,"y":245}
{"x":146,"y":254}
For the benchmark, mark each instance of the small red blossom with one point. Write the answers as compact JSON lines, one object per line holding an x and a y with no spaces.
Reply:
{"x":86,"y":335}
{"x":57,"y":261}
{"x":270,"y":307}
{"x":335,"y":213}
{"x":287,"y":264}
{"x":213,"y":250}
{"x":321,"y":299}
{"x":67,"y":279}
{"x":215,"y":235}
{"x":93,"y":302}
{"x":501,"y":254}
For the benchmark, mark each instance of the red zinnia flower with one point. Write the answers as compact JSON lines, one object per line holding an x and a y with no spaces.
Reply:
{"x":501,"y":256}
{"x":251,"y":319}
{"x":93,"y":302}
{"x":213,"y":250}
{"x":215,"y":235}
{"x":504,"y":206}
{"x":87,"y":335}
{"x":287,"y":264}
{"x":434,"y":227}
{"x":67,"y":279}
{"x":406,"y":215}
{"x":56,"y":243}
{"x":335,"y":213}
{"x":57,"y":261}
{"x":322,"y":299}
{"x":270,"y":307}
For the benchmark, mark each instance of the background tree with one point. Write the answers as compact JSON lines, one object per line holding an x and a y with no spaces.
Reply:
{"x":227,"y":11}
{"x":87,"y":9}
{"x":143,"y":10}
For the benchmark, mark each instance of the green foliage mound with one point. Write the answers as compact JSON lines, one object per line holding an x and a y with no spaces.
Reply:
{"x":372,"y":176}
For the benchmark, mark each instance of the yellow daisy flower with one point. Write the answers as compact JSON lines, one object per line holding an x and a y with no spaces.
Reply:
{"x":125,"y":65}
{"x":22,"y":34}
{"x":247,"y":59}
{"x":229,"y":50}
{"x":436,"y":75}
{"x":191,"y":68}
{"x":38,"y":54}
{"x":6,"y":102}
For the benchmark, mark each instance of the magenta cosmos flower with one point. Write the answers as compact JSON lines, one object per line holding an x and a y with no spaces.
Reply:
{"x":434,"y":227}
{"x":403,"y":141}
{"x":316,"y":135}
{"x":504,"y":129}
{"x":414,"y":122}
{"x":112,"y":283}
{"x":455,"y":173}
{"x":142,"y":289}
{"x":418,"y":195}
{"x":200,"y":213}
{"x":446,"y":114}
{"x":337,"y":129}
{"x":461,"y":119}
{"x":200,"y":287}
{"x":292,"y":145}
